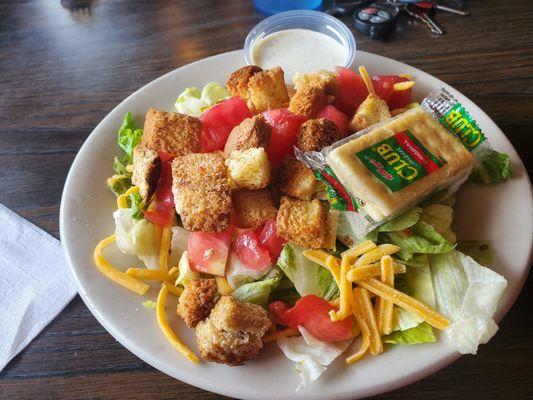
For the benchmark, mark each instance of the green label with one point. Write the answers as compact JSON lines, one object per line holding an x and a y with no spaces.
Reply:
{"x":399,"y":160}
{"x":339,"y":198}
{"x":458,"y":121}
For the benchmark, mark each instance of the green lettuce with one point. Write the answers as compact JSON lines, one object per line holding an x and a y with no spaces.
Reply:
{"x":135,"y":201}
{"x":129,"y":136}
{"x":119,"y":184}
{"x":285,"y":291}
{"x":193,"y":102}
{"x":468,"y":294}
{"x":186,"y":274}
{"x":491,"y":167}
{"x":402,"y":222}
{"x":440,"y":217}
{"x":258,"y":292}
{"x":424,"y":239}
{"x":307,"y":276}
{"x":422,"y":333}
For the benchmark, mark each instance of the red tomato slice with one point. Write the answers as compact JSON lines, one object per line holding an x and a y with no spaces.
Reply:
{"x":352,"y":91}
{"x":285,"y":127}
{"x":334,"y":114}
{"x":208,"y":252}
{"x":383,"y":85}
{"x":270,"y":240}
{"x":219,"y":120}
{"x":312,"y":312}
{"x":247,"y":247}
{"x":163,"y":212}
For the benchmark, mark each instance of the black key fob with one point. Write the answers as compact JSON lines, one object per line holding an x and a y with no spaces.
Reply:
{"x":376,"y":20}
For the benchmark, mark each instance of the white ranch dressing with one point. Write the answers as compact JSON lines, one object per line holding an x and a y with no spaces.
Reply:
{"x":298,"y":50}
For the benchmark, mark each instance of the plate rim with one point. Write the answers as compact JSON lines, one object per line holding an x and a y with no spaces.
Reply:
{"x":146,"y":356}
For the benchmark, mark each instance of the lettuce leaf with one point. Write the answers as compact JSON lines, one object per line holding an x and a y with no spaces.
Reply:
{"x":119,"y":184}
{"x":135,"y":201}
{"x":424,"y":239}
{"x":440,"y":217}
{"x":307,"y":276}
{"x":491,"y":167}
{"x":129,"y":136}
{"x":258,"y":292}
{"x":193,"y":102}
{"x":311,"y":355}
{"x":186,"y":274}
{"x":468,"y":294}
{"x":238,"y":273}
{"x":402,"y":222}
{"x":422,"y":333}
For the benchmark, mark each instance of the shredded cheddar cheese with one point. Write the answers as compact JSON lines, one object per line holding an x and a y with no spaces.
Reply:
{"x":375,"y":254}
{"x":406,"y":302}
{"x":164,"y":250}
{"x":345,"y":288}
{"x":371,"y":271}
{"x":397,"y":87}
{"x":122,"y":200}
{"x":167,"y":331}
{"x":376,"y":346}
{"x":361,"y":248}
{"x":368,"y":81}
{"x":365,"y":331}
{"x":223,"y":286}
{"x":175,"y":290}
{"x":114,"y":274}
{"x":148,"y":274}
{"x":385,"y":307}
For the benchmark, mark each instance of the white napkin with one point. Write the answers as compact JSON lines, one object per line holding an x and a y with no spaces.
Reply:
{"x":35,"y":282}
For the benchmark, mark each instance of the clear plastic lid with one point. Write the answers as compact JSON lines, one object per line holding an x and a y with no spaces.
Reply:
{"x":302,"y":19}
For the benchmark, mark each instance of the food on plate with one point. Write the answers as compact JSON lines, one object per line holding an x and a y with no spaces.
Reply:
{"x":272,"y":219}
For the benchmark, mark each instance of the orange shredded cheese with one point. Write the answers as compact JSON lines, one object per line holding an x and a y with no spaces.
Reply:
{"x":164,"y":249}
{"x":368,"y":81}
{"x":371,"y":271}
{"x":114,"y":274}
{"x":376,"y":346}
{"x":148,"y":274}
{"x":385,"y":307}
{"x":361,"y":248}
{"x":175,"y":290}
{"x":122,"y":200}
{"x":365,"y":331}
{"x":223,"y":286}
{"x":375,"y":254}
{"x":399,"y":86}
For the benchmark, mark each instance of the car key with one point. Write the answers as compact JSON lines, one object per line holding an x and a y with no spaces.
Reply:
{"x":422,"y":16}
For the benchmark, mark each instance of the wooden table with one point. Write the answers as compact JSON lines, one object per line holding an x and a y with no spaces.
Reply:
{"x":62,"y":71}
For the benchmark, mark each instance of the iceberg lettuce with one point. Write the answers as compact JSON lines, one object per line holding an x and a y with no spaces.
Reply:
{"x":307,"y":276}
{"x":238,"y":273}
{"x":186,"y":274}
{"x":422,"y":333}
{"x":402,"y":222}
{"x":468,"y":294}
{"x":311,"y":355}
{"x":258,"y":292}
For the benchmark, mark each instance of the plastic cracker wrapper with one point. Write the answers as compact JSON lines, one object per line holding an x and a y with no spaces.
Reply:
{"x":381,"y":172}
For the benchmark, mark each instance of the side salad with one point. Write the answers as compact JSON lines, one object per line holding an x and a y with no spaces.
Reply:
{"x":213,"y":201}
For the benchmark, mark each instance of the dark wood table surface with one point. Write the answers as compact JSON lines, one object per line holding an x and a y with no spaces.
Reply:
{"x":62,"y":71}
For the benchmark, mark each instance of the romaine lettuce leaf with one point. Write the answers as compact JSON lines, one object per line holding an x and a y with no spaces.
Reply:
{"x":258,"y":292}
{"x":307,"y":276}
{"x":311,"y":355}
{"x":491,"y":167}
{"x":402,"y":222}
{"x":440,"y":217}
{"x":468,"y":294}
{"x":135,"y":201}
{"x":129,"y":136}
{"x":119,"y":184}
{"x":422,"y":333}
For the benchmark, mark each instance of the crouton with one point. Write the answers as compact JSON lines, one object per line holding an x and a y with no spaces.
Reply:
{"x":324,"y":80}
{"x":302,"y":222}
{"x":201,"y":192}
{"x":248,"y":169}
{"x":267,"y":90}
{"x":146,"y":170}
{"x":252,"y":132}
{"x":253,"y":207}
{"x":307,"y":101}
{"x":295,"y":179}
{"x":370,"y":112}
{"x":173,"y":133}
{"x":232,"y":334}
{"x":237,"y":83}
{"x":315,"y":134}
{"x":197,"y":300}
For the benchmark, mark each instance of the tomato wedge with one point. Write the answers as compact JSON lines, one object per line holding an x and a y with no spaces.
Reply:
{"x":352,"y":91}
{"x":384,"y":87}
{"x":208,"y":252}
{"x":219,"y":120}
{"x":163,"y":212}
{"x":247,"y":247}
{"x":334,"y":114}
{"x":270,"y":240}
{"x":285,"y":127}
{"x":312,"y":312}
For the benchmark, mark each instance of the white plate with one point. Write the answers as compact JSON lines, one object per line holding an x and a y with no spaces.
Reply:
{"x":501,"y":213}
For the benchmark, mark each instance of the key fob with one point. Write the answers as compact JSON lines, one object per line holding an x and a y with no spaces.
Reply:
{"x":376,"y":20}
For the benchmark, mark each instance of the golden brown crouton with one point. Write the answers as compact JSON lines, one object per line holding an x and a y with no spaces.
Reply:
{"x":267,"y":90}
{"x":252,"y":132}
{"x":370,"y":112}
{"x":201,"y":191}
{"x":296,"y":180}
{"x":197,"y":300}
{"x":325,"y":80}
{"x":146,"y":170}
{"x":315,"y":134}
{"x":237,"y":83}
{"x":232,"y":333}
{"x":173,"y":133}
{"x":303,"y":223}
{"x":307,"y":101}
{"x":248,"y":169}
{"x":253,"y":207}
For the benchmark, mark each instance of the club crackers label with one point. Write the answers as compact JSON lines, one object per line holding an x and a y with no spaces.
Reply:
{"x":458,"y":121}
{"x":399,"y":160}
